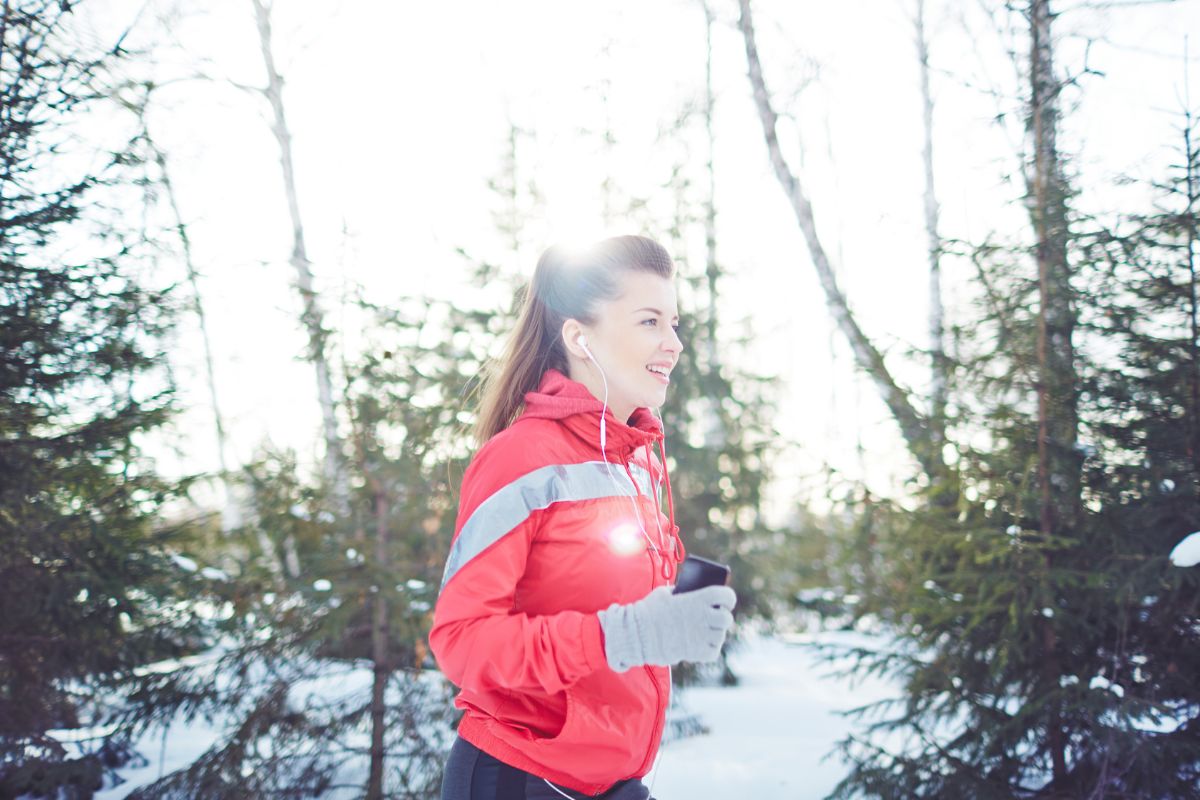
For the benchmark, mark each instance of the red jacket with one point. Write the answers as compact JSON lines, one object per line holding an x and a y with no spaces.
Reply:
{"x":546,"y":536}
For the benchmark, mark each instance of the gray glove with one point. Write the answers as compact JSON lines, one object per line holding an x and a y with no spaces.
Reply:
{"x":664,"y":628}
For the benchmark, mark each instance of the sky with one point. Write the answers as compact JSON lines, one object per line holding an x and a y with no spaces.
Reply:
{"x":401,"y":113}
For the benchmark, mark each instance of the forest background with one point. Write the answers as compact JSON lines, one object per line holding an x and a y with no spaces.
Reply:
{"x":938,"y":285}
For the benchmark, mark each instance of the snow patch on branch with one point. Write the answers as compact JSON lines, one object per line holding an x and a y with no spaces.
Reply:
{"x":1187,"y":552}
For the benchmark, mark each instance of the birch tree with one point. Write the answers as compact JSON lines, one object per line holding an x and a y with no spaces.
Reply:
{"x":939,"y":365}
{"x":914,"y":426}
{"x":312,"y":317}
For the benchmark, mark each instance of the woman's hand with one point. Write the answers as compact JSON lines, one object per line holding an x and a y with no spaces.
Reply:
{"x":664,"y":628}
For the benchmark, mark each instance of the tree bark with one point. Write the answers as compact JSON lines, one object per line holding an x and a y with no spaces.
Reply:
{"x":1190,"y":156}
{"x":913,"y":426}
{"x":363,"y":432}
{"x":380,"y":645}
{"x":312,"y":317}
{"x":1059,"y":478}
{"x":711,"y":269}
{"x":939,"y":367}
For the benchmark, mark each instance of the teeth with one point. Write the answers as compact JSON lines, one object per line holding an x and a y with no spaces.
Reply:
{"x":659,"y":370}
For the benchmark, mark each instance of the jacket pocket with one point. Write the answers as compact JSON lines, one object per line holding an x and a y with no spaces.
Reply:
{"x":570,"y":721}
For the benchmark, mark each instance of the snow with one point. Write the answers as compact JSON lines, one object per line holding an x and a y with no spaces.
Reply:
{"x":769,"y":735}
{"x":1101,"y":682}
{"x":772,"y":737}
{"x":185,"y":563}
{"x":1187,"y":552}
{"x":190,"y":565}
{"x":172,"y":749}
{"x":768,"y":738}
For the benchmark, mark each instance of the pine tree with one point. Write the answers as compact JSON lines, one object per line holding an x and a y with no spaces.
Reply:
{"x":88,"y":588}
{"x":1054,"y":660}
{"x":311,"y":667}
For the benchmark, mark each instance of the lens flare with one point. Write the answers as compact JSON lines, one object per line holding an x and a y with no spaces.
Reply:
{"x":625,"y":539}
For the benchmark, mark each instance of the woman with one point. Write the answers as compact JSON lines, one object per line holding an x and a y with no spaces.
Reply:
{"x":556,"y":617}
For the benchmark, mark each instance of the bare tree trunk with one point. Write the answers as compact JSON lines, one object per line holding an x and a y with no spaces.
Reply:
{"x":312,"y":317}
{"x":362,"y":432}
{"x":608,"y":142}
{"x":912,"y":425}
{"x":1059,"y":477}
{"x":939,"y":367}
{"x":185,"y":242}
{"x":711,"y":270}
{"x":379,"y":646}
{"x":1190,"y":156}
{"x":518,"y":197}
{"x":231,"y":512}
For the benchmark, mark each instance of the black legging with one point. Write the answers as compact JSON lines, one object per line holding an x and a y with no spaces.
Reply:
{"x":472,"y":774}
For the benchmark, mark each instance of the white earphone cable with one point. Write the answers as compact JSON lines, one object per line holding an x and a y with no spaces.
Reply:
{"x":642,"y":526}
{"x":560,"y":791}
{"x":604,"y":455}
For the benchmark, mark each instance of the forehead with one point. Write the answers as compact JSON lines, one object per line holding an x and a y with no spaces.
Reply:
{"x":646,"y":290}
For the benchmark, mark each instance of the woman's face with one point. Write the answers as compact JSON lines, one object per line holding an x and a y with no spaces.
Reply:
{"x":635,"y":342}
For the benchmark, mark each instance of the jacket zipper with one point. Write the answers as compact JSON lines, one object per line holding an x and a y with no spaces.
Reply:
{"x":660,"y":718}
{"x":659,"y":724}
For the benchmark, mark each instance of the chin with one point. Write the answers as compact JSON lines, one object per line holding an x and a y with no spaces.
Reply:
{"x":656,"y":401}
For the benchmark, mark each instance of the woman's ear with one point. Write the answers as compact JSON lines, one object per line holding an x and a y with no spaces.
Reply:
{"x":572,"y":332}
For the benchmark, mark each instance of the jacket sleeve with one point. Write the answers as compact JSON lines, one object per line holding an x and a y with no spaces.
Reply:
{"x":481,"y":643}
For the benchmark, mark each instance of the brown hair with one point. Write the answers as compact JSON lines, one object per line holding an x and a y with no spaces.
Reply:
{"x":567,"y":284}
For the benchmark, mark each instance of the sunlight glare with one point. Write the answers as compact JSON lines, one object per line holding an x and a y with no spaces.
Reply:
{"x":625,"y":539}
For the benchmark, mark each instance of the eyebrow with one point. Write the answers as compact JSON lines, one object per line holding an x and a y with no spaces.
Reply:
{"x":655,"y":310}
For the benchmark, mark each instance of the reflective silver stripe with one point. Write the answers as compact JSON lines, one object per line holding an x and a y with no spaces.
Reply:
{"x":501,"y":513}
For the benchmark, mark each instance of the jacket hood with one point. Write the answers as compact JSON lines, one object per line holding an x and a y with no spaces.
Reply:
{"x":560,"y":398}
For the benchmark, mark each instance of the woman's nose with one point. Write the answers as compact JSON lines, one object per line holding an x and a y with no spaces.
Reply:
{"x":673,"y":342}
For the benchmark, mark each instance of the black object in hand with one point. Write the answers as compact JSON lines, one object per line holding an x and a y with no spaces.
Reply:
{"x":696,"y":573}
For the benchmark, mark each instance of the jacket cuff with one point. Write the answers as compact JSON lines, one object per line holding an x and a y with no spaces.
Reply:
{"x":593,"y":643}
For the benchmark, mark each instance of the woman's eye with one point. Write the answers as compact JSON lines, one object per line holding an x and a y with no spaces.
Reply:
{"x":650,"y":321}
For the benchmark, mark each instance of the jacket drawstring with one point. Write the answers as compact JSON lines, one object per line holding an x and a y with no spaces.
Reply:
{"x":668,"y":558}
{"x":678,"y":551}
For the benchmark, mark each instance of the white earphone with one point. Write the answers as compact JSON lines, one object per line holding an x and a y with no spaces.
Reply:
{"x":581,"y":340}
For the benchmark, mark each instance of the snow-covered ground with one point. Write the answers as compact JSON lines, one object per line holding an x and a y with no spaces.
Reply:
{"x":769,"y":736}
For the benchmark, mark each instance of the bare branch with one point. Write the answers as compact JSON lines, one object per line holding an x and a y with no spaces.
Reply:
{"x":912,"y":425}
{"x":312,"y":316}
{"x":938,"y":366}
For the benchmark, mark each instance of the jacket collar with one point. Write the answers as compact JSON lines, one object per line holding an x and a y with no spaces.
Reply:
{"x":574,"y":406}
{"x":571,"y":403}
